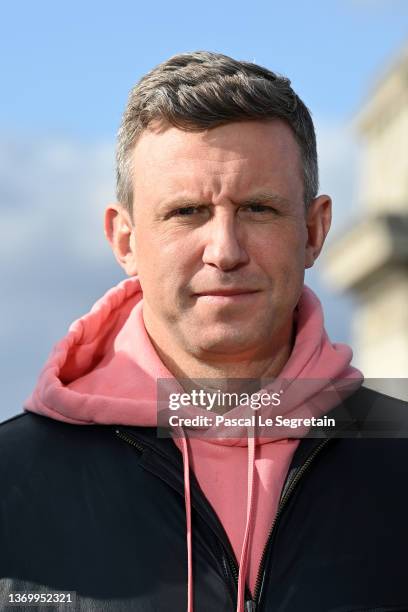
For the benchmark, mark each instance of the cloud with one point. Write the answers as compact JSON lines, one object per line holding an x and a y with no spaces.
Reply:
{"x":54,"y":259}
{"x":52,"y":194}
{"x":339,"y":163}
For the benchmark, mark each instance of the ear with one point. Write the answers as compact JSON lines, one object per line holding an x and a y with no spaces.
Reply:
{"x":318,"y":221}
{"x":119,"y":232}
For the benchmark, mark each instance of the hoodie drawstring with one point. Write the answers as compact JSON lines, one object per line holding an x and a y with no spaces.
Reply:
{"x":187,"y":499}
{"x":248,"y":527}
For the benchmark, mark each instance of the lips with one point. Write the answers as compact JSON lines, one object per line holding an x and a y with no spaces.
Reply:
{"x":226,"y":292}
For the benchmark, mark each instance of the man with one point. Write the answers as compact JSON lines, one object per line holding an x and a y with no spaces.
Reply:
{"x":216,"y":221}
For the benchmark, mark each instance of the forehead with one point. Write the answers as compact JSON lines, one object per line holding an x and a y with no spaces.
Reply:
{"x":231,"y":159}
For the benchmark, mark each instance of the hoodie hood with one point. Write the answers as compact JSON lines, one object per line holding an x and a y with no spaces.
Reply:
{"x":105,"y":371}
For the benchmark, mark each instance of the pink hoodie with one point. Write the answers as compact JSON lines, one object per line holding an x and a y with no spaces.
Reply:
{"x":105,"y":371}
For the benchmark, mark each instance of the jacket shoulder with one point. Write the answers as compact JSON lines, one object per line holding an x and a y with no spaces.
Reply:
{"x":372,"y":397}
{"x":372,"y":406}
{"x":28,"y":428}
{"x":34,"y":443}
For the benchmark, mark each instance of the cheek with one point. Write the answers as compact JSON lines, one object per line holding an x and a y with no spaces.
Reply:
{"x":282,"y":253}
{"x":164,"y":262}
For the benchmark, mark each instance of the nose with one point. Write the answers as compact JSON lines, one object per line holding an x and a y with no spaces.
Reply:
{"x":224,"y":248}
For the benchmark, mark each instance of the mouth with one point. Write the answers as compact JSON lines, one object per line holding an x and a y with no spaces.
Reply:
{"x":225,"y":296}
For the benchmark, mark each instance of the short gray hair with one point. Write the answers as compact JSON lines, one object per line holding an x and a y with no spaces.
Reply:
{"x":201,"y":90}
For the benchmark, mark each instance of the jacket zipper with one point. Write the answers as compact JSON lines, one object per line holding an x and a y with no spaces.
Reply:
{"x":252,"y":604}
{"x":288,"y":488}
{"x":131,"y":441}
{"x":230,"y":570}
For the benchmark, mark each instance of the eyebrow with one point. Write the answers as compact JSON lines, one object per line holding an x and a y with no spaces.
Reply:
{"x":259,"y":198}
{"x":266,"y":196}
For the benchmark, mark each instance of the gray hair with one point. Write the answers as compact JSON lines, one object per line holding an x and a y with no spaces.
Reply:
{"x":201,"y":90}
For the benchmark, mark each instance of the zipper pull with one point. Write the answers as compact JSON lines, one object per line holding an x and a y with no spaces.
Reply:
{"x":250,"y":606}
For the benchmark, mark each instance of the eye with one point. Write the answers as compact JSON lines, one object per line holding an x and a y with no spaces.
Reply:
{"x":193,"y":214}
{"x":186,"y":211}
{"x":259,"y":208}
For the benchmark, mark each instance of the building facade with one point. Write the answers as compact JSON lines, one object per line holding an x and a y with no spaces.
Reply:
{"x":370,"y":259}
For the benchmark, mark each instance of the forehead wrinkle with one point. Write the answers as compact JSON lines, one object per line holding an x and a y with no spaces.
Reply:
{"x":257,"y":198}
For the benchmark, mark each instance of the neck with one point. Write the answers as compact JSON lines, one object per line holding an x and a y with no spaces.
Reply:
{"x":261,"y":363}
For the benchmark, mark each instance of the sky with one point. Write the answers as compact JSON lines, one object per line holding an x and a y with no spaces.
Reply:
{"x":66,"y":70}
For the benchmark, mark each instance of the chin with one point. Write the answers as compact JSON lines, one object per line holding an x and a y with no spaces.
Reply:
{"x":230,"y":343}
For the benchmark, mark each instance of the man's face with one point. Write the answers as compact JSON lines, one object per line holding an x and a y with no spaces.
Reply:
{"x":220,"y":235}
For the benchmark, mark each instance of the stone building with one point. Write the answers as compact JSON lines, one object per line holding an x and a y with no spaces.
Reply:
{"x":370,"y":258}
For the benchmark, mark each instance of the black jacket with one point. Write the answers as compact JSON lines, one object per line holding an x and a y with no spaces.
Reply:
{"x":99,"y":510}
